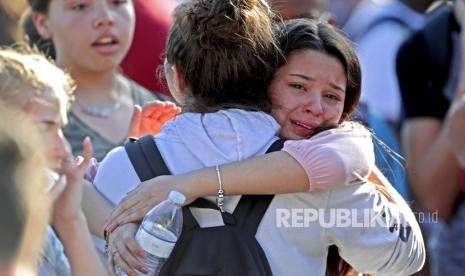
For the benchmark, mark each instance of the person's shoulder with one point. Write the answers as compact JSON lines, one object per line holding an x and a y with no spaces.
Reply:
{"x":115,"y":155}
{"x":439,"y":21}
{"x":345,"y":129}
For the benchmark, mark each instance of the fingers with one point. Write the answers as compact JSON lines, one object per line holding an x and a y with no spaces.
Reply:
{"x":154,"y":115}
{"x":152,"y":107}
{"x":126,"y":204}
{"x":137,"y":215}
{"x":157,"y":108}
{"x":87,"y":154}
{"x":131,"y":209}
{"x":111,"y":265}
{"x":120,"y":263}
{"x":58,"y":188}
{"x":124,"y":251}
{"x":130,"y":215}
{"x":134,"y":129}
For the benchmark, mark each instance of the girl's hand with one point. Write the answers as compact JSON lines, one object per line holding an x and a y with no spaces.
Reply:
{"x":142,"y":199}
{"x":151,"y":117}
{"x":68,"y":203}
{"x":123,"y":250}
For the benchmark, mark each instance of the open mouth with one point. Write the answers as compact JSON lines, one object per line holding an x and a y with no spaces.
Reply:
{"x":302,"y":129}
{"x":105,"y":41}
{"x":303,"y":125}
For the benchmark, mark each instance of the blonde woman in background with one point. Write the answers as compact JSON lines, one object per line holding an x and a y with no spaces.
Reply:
{"x":41,"y":94}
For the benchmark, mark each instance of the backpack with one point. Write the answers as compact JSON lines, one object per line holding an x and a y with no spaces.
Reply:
{"x":230,"y":249}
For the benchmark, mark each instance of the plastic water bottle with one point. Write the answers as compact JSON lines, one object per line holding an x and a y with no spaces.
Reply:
{"x":159,"y":232}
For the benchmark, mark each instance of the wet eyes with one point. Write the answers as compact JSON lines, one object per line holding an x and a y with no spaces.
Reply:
{"x":328,"y":95}
{"x":298,"y":86}
{"x":332,"y":97}
{"x":79,"y":6}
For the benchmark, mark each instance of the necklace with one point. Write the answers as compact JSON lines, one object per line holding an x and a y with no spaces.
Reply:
{"x":100,"y":112}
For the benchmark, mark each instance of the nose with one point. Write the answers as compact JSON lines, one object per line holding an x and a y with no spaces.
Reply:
{"x":313,"y":106}
{"x":61,"y":147}
{"x":103,"y":17}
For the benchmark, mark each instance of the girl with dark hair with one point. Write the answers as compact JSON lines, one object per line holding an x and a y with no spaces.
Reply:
{"x":315,"y":88}
{"x":90,"y":39}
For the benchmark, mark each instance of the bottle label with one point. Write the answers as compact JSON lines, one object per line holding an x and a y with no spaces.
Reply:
{"x":154,"y":245}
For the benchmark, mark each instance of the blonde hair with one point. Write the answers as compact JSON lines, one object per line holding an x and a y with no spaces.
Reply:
{"x":27,"y":76}
{"x":24,"y":202}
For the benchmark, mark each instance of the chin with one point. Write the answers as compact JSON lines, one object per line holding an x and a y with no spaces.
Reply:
{"x":287,"y":136}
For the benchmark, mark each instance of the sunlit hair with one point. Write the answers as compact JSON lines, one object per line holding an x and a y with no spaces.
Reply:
{"x":226,"y":52}
{"x":26,"y":77}
{"x":301,"y":34}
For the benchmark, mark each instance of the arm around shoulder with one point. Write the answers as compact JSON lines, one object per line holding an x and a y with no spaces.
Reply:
{"x":334,"y":157}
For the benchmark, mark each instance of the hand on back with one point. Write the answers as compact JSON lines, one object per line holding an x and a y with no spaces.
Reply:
{"x":150,"y":118}
{"x":144,"y":197}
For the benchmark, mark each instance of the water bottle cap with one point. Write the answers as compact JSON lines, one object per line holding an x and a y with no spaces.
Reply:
{"x":177,"y":197}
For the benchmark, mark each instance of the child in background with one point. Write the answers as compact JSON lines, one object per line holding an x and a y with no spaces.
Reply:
{"x":90,"y":39}
{"x":41,"y":93}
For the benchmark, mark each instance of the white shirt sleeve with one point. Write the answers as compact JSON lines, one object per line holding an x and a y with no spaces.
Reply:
{"x":377,"y":227}
{"x":340,"y":156}
{"x":116,"y":176}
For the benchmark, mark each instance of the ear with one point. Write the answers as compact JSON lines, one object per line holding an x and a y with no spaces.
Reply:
{"x":41,"y":23}
{"x":179,"y":79}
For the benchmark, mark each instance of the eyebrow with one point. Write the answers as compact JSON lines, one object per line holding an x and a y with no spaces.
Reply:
{"x":337,"y":87}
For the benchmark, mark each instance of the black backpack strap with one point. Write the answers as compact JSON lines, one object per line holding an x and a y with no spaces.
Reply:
{"x":145,"y":157}
{"x":228,"y":219}
{"x":148,"y":163}
{"x":276,"y":146}
{"x":251,"y":208}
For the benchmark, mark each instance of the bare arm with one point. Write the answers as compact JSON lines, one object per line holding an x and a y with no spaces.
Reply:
{"x":69,"y":220}
{"x":96,"y":208}
{"x":456,"y":131}
{"x":274,"y":173}
{"x":433,"y":170}
{"x":79,"y":247}
{"x":321,"y":160}
{"x":431,"y":149}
